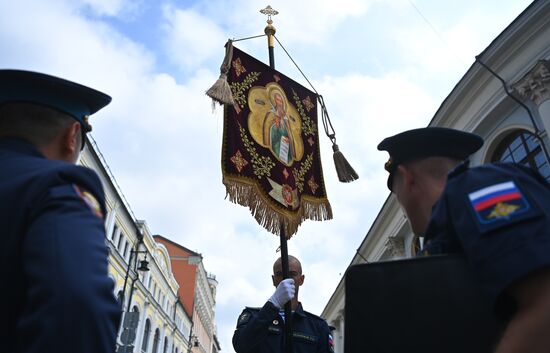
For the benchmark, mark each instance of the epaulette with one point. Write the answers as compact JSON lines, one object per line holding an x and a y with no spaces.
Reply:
{"x":313,"y":316}
{"x":460,"y":168}
{"x":246,"y":314}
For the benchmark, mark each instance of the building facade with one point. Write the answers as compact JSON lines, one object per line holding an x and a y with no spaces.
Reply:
{"x":198,"y":294}
{"x":514,"y":124}
{"x":154,"y":318}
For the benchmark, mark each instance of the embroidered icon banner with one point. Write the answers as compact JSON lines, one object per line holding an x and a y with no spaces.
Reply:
{"x":271,"y":161}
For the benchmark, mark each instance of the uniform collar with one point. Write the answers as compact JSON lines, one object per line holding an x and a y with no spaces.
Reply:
{"x":19,"y":146}
{"x":299,"y":310}
{"x":459,"y":169}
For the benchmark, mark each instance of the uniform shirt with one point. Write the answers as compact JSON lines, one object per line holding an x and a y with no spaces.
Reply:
{"x":56,"y":295}
{"x":262,"y":330}
{"x":498,"y":215}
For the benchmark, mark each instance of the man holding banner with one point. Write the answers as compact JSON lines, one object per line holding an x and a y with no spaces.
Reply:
{"x":262,"y":329}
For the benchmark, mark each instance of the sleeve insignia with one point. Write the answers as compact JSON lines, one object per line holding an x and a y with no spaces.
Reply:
{"x":498,"y":202}
{"x":305,"y":336}
{"x":89,"y":200}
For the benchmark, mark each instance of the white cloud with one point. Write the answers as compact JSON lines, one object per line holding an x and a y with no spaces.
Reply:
{"x":163,"y":143}
{"x":114,"y":8}
{"x":191,"y":38}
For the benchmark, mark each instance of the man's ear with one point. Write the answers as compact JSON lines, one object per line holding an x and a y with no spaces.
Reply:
{"x":406,"y":176}
{"x":300,"y":280}
{"x":71,"y":137}
{"x":273,"y":279}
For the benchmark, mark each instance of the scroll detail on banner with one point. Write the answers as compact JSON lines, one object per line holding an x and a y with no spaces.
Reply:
{"x":271,"y":160}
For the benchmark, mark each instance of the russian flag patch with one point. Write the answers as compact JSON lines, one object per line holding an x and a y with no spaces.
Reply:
{"x":498,"y":202}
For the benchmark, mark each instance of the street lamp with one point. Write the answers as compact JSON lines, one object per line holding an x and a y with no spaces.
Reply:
{"x":193,"y":342}
{"x":143,"y":267}
{"x":131,"y":319}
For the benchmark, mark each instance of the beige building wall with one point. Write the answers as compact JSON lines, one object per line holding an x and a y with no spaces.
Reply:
{"x":162,"y":322}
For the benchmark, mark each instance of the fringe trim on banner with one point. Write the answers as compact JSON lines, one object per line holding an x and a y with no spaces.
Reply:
{"x":249,"y":195}
{"x":220,"y":91}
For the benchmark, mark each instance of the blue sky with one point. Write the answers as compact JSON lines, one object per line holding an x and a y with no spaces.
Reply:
{"x":380,"y":65}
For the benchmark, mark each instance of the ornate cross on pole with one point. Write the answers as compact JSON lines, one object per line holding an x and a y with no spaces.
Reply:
{"x":269,"y":11}
{"x":270,"y":31}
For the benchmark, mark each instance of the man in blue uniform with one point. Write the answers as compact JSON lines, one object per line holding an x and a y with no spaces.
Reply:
{"x":56,"y":294}
{"x":497,"y":215}
{"x":261,"y":330}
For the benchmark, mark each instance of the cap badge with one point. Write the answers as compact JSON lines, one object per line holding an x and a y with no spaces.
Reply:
{"x":87,"y":126}
{"x":389,"y":164}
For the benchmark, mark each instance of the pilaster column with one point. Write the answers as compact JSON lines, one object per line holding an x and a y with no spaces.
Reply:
{"x":536,"y":87}
{"x":396,"y":247}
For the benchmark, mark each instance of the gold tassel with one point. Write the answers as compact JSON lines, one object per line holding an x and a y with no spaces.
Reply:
{"x":343,"y":168}
{"x":220,"y":91}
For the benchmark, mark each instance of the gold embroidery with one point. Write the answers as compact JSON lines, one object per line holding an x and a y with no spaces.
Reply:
{"x":261,"y":165}
{"x":239,"y":161}
{"x":308,"y":126}
{"x":312,"y":185}
{"x":299,"y":175}
{"x":238,"y":88}
{"x":308,"y":104}
{"x":502,"y":210}
{"x":238,"y":66}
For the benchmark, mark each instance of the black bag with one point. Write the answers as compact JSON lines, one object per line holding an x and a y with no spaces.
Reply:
{"x":424,"y":305}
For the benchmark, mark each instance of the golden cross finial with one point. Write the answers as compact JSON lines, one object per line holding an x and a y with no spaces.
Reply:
{"x":269,"y":11}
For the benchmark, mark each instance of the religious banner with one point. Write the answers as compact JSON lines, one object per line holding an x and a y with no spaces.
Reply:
{"x":271,"y":160}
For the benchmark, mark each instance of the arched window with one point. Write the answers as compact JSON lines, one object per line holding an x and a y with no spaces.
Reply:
{"x":146,"y":334}
{"x":156,"y":341}
{"x":165,"y":348}
{"x":522,"y":147}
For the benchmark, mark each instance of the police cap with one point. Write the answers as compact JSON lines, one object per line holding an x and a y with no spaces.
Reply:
{"x":427,"y":142}
{"x":68,"y":97}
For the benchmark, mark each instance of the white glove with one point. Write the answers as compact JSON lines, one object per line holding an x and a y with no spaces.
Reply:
{"x":284,"y":292}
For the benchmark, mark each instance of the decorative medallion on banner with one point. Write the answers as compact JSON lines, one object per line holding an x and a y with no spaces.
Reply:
{"x":271,"y":161}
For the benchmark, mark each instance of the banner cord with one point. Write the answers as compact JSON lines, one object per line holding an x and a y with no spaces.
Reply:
{"x":246,"y":38}
{"x":327,"y":124}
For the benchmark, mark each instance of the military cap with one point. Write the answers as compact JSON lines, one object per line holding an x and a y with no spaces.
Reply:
{"x":427,"y":142}
{"x":68,"y":97}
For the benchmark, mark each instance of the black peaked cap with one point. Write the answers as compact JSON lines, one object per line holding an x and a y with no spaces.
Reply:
{"x":428,"y":142}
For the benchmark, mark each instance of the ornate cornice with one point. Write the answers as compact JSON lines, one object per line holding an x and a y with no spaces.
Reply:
{"x":536,"y":84}
{"x":396,"y":246}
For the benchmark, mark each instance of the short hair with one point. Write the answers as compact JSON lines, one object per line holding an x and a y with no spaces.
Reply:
{"x":290,"y":259}
{"x":37,"y":124}
{"x":435,"y":167}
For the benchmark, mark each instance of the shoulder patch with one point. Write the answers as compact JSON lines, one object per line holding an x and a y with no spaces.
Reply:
{"x":499,"y":204}
{"x":330,"y":343}
{"x":90,"y":200}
